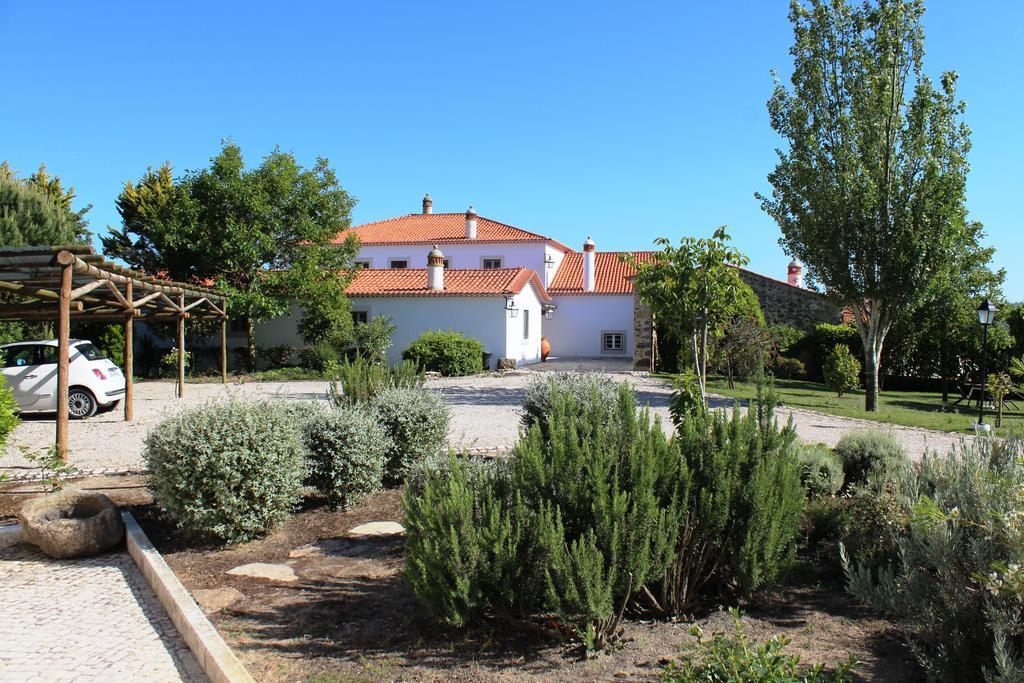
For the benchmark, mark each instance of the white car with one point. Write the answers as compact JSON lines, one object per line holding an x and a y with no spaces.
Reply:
{"x":30,"y":368}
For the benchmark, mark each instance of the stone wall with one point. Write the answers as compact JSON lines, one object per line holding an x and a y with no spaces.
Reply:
{"x":644,"y":340}
{"x":784,"y":304}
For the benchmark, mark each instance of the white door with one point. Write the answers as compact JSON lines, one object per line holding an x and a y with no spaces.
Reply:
{"x":22,"y":372}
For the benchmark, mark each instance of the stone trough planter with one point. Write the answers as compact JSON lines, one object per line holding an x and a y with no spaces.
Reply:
{"x":71,"y":523}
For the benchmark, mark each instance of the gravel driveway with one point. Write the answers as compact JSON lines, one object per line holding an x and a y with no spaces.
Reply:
{"x":485,"y":415}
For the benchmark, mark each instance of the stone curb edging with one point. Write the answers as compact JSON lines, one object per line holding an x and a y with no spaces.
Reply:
{"x":214,"y":656}
{"x":10,"y":534}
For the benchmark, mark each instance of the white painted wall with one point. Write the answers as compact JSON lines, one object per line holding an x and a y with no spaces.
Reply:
{"x":547,"y":275}
{"x":579,"y":321}
{"x":466,"y":255}
{"x":525,"y":350}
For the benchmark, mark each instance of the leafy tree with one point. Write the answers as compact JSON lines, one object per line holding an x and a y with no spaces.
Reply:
{"x":743,"y":345}
{"x":693,"y":290}
{"x":37,"y":211}
{"x":870,"y":193}
{"x":841,"y":369}
{"x":264,"y":235}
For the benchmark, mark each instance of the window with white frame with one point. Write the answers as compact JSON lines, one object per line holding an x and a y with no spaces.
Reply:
{"x":360,"y":316}
{"x":446,"y":264}
{"x":362,"y":263}
{"x":491,"y":262}
{"x":526,"y":324}
{"x":613,"y":342}
{"x":398,"y":263}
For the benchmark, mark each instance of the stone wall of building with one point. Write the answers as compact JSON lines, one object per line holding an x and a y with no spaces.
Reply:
{"x":784,"y":304}
{"x":644,"y":340}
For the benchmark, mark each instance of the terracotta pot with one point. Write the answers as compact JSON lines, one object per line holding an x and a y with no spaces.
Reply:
{"x":545,"y":349}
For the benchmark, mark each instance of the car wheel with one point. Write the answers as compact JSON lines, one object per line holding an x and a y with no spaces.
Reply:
{"x":81,"y":404}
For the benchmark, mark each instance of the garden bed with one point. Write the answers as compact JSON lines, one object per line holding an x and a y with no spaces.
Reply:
{"x":349,"y":616}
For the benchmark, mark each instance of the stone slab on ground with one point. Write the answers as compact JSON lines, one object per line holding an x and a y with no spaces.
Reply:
{"x":215,"y":599}
{"x":377,"y":529}
{"x":263,"y":570}
{"x":93,"y":619}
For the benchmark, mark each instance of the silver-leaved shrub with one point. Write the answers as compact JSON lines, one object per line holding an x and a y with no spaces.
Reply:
{"x":416,"y":423}
{"x":227,"y":472}
{"x":347,"y":448}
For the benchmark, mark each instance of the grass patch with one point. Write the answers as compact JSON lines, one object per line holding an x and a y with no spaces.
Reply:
{"x":908,"y":408}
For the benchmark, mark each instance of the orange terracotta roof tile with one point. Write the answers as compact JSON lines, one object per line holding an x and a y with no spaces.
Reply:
{"x":440,"y":228}
{"x":457,"y":282}
{"x":611,"y":273}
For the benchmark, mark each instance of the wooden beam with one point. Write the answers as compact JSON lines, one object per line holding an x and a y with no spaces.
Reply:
{"x":195,"y":303}
{"x":85,"y":289}
{"x":63,"y":348}
{"x":129,"y":360}
{"x":223,"y":350}
{"x":181,"y":348}
{"x":52,"y":309}
{"x":146,"y":299}
{"x":117,"y":293}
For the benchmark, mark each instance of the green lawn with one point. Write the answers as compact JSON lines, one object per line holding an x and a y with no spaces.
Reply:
{"x":910,"y":408}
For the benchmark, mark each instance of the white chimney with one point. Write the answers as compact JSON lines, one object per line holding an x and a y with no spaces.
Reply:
{"x":435,"y":270}
{"x":589,"y":256}
{"x":794,"y":274}
{"x":428,"y":204}
{"x":470,"y":224}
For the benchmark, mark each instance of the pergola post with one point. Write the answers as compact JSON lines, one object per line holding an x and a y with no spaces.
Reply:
{"x":63,"y":350}
{"x":129,"y":361}
{"x":181,"y":346}
{"x":223,"y":350}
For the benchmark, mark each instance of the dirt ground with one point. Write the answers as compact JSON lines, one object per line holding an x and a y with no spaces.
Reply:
{"x":350,"y":616}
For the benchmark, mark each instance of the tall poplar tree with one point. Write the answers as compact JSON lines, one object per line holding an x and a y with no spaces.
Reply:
{"x":870,"y":193}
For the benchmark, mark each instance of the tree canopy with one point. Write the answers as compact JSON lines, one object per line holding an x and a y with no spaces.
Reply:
{"x":870,"y":193}
{"x":37,"y":210}
{"x":694,"y":290}
{"x":264,"y":235}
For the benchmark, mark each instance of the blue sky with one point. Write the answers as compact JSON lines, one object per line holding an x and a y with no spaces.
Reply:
{"x":625,"y":121}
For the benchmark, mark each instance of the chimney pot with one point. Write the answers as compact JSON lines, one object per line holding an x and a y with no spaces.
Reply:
{"x":428,"y":204}
{"x":435,"y":270}
{"x":589,"y":265}
{"x":794,"y":274}
{"x":470,"y":224}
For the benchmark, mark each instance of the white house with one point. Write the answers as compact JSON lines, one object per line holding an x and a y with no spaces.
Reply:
{"x":507,"y":287}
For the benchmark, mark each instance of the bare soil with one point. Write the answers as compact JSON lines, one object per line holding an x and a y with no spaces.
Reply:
{"x":350,"y":617}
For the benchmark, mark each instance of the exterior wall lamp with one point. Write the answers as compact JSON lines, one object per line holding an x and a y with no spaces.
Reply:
{"x":510,"y":306}
{"x":548,"y":261}
{"x":549,"y":312}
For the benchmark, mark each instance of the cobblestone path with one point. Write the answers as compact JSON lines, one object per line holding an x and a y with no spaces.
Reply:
{"x":85,"y":620}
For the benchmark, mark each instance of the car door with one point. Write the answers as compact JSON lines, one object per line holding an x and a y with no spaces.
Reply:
{"x":22,"y":372}
{"x":46,"y":377}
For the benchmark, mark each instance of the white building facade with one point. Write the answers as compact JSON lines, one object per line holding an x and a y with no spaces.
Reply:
{"x":503,"y":285}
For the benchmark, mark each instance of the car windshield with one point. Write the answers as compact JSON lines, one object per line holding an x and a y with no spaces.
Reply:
{"x":89,"y":351}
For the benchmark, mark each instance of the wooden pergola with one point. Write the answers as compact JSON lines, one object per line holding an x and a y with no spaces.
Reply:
{"x":65,"y":283}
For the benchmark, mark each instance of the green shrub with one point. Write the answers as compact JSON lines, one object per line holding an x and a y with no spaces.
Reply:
{"x":953,"y":581}
{"x":821,"y":470}
{"x":826,"y":336}
{"x":227,"y":472}
{"x":786,"y":339}
{"x":873,"y":524}
{"x":788,"y":368}
{"x":449,"y":353}
{"x":8,"y":412}
{"x":743,"y":508}
{"x":594,"y":392}
{"x":373,"y":338}
{"x":319,"y":357}
{"x":569,"y":529}
{"x":416,"y":423}
{"x":360,"y":380}
{"x":737,"y":660}
{"x":871,"y":457}
{"x":841,"y":370}
{"x":279,"y":356}
{"x":825,"y":519}
{"x":347,"y":447}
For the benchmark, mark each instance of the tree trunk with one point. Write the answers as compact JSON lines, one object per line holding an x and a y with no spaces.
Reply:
{"x":870,"y":381}
{"x":250,"y":334}
{"x":944,"y":368}
{"x":872,"y":326}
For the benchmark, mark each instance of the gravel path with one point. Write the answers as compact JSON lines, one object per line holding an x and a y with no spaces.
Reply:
{"x":485,"y":415}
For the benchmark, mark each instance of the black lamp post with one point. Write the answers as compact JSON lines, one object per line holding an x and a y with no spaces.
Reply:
{"x":986,"y":316}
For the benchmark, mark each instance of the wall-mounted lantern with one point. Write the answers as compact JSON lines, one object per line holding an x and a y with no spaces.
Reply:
{"x":510,"y":306}
{"x":549,"y":262}
{"x":549,"y":311}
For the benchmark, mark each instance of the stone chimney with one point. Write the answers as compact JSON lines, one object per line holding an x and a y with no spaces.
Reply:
{"x":470,"y":224}
{"x":428,"y":204}
{"x":589,"y":257}
{"x":435,"y":270}
{"x":794,"y":274}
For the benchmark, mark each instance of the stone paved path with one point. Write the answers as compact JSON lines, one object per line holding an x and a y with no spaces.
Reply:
{"x":85,"y":620}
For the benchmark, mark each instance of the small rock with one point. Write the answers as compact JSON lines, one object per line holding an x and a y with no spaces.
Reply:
{"x":308,"y":550}
{"x":215,"y":599}
{"x":378,"y":529}
{"x":262,"y":570}
{"x":620,"y":674}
